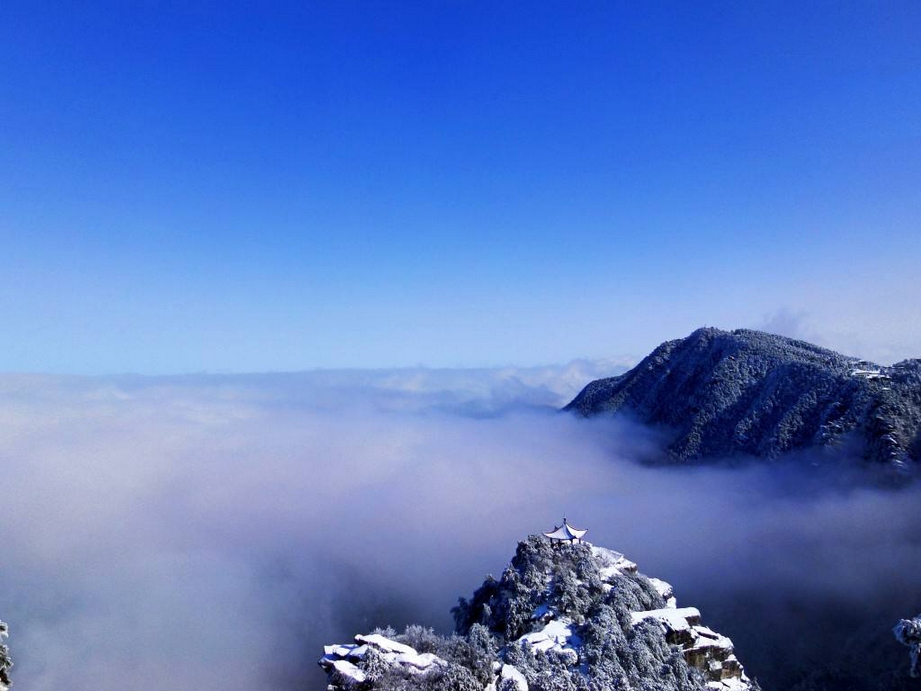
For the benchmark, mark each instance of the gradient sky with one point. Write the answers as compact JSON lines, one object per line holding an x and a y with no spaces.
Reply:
{"x":190,"y":186}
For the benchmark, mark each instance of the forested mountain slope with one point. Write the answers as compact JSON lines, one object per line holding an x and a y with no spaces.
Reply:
{"x":747,"y":392}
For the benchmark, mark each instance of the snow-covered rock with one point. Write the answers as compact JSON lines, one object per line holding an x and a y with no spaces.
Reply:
{"x":384,"y":643}
{"x":666,"y":591}
{"x":347,"y":671}
{"x":512,"y":672}
{"x":5,"y":661}
{"x":703,"y":648}
{"x":554,"y":636}
{"x":611,"y":563}
{"x":341,"y":661}
{"x":674,"y":620}
{"x":908,"y":632}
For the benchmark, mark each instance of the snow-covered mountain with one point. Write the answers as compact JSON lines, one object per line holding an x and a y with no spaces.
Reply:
{"x":562,"y":617}
{"x":748,"y":392}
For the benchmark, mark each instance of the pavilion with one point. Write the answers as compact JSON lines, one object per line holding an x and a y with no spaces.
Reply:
{"x":565,"y":533}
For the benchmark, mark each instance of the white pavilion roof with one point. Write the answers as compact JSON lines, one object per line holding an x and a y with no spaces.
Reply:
{"x":566,"y":532}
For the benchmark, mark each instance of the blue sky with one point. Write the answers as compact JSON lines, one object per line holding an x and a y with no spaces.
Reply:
{"x":224,"y":187}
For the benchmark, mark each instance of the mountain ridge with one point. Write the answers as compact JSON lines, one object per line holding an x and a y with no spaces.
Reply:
{"x":744,"y":392}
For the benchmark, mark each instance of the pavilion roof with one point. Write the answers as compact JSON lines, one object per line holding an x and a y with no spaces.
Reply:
{"x":566,"y":532}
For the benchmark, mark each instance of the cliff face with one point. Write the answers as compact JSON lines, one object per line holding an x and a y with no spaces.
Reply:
{"x":748,"y":392}
{"x":563,"y":617}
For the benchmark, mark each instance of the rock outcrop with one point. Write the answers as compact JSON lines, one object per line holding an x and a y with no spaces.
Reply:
{"x":342,"y":661}
{"x":564,"y":617}
{"x":747,"y":392}
{"x":908,"y":632}
{"x":5,"y":662}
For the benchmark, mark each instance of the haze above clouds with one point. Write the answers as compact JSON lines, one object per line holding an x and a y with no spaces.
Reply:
{"x":195,"y":530}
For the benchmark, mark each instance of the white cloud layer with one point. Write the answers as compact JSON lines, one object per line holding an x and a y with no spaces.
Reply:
{"x":191,"y":531}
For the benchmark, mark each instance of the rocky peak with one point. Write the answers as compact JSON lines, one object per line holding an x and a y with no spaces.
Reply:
{"x":567,"y":617}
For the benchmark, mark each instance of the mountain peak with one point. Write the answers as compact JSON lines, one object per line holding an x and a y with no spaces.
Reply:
{"x":726,"y":393}
{"x":567,"y":616}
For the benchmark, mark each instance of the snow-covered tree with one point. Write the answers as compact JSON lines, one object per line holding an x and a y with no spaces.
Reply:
{"x":5,"y":662}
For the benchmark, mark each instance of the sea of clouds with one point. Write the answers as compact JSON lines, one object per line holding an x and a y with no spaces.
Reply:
{"x":205,"y":531}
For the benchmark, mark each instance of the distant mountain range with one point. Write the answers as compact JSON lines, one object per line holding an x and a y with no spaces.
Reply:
{"x":724,"y":394}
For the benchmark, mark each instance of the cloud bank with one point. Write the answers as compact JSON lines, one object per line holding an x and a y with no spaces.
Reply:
{"x":187,"y":531}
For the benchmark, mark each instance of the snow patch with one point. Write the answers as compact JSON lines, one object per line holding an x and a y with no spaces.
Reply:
{"x":556,"y":637}
{"x":512,"y":672}
{"x":348,"y":671}
{"x":384,"y":643}
{"x":665,"y":590}
{"x":611,"y":564}
{"x":731,"y":684}
{"x":679,"y":619}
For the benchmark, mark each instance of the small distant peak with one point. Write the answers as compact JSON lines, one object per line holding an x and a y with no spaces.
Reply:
{"x":707,"y":331}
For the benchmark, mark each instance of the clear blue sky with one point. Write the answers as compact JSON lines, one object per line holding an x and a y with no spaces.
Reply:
{"x":218,"y":186}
